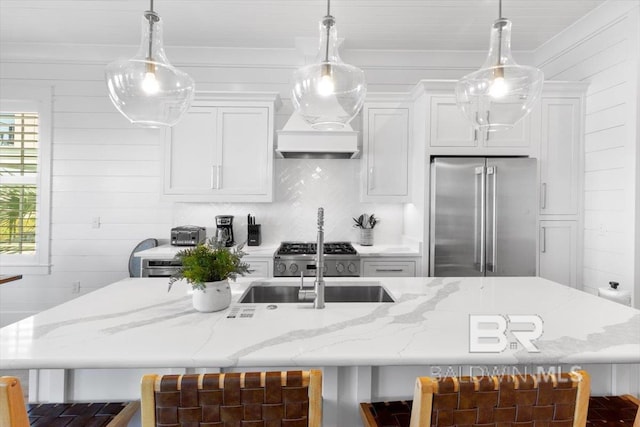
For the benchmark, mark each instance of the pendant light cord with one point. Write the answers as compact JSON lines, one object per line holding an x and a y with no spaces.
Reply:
{"x":501,"y":24}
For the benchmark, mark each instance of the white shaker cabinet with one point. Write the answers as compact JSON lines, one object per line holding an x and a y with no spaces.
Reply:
{"x":558,"y":130}
{"x":260,"y":267}
{"x":560,"y":155}
{"x":221,"y":151}
{"x":558,"y":251}
{"x":385,"y":267}
{"x":385,"y":166}
{"x":450,"y":128}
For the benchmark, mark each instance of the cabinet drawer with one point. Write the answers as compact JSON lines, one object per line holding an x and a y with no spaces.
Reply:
{"x":260,"y":269}
{"x":389,"y":268}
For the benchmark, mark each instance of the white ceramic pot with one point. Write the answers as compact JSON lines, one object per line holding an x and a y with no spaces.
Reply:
{"x":215,"y":297}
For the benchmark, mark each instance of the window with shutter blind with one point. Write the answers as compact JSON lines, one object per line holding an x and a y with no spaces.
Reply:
{"x":25,"y":156}
{"x":18,"y":168}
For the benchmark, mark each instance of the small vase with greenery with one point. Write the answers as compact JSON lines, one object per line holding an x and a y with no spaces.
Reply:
{"x":208,"y":267}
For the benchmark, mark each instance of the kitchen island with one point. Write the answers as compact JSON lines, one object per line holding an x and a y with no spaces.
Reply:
{"x":98,"y":346}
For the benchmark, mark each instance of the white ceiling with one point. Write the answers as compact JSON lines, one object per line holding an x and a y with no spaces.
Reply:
{"x":364,"y":24}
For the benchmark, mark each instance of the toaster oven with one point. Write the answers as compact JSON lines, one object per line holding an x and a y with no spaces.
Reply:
{"x":188,"y":235}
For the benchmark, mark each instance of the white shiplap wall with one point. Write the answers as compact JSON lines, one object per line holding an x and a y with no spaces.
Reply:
{"x":104,"y":167}
{"x":603,"y":49}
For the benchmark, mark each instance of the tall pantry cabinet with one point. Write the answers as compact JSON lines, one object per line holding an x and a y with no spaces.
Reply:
{"x":558,"y":130}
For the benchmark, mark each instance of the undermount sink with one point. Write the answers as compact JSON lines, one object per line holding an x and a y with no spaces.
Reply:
{"x":287,"y":292}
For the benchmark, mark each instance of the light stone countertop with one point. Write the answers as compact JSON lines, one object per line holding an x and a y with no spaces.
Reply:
{"x":386,"y":250}
{"x":169,"y":251}
{"x":267,"y":251}
{"x":136,"y":323}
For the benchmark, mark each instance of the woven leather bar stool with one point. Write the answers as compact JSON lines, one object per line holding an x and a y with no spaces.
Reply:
{"x":559,"y":401}
{"x":265,"y":399}
{"x":14,"y":412}
{"x":613,"y":411}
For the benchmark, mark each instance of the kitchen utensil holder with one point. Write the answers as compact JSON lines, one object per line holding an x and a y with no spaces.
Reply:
{"x":366,"y":236}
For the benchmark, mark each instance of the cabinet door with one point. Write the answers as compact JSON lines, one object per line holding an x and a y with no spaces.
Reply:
{"x":260,"y":268}
{"x":516,"y":137}
{"x":386,"y":163}
{"x":243,"y":153}
{"x":220,"y":154}
{"x":558,"y":247}
{"x":190,"y":153}
{"x":381,"y":268}
{"x":559,"y":156}
{"x":449,"y":127}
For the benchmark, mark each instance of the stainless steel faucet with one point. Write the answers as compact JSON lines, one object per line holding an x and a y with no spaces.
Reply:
{"x":317,"y":295}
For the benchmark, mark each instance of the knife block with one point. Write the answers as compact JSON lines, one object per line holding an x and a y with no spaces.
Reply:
{"x":254,"y":236}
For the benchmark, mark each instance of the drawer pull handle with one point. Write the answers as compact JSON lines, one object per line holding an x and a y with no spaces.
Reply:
{"x":389,"y":269}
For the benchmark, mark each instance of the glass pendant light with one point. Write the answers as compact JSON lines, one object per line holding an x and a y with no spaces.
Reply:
{"x":329,"y":93}
{"x":501,"y":92}
{"x":147,"y":89}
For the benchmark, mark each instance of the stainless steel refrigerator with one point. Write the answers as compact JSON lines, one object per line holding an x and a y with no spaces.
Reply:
{"x":483,"y":216}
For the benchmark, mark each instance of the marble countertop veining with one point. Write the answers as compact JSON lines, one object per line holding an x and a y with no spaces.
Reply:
{"x":136,"y":323}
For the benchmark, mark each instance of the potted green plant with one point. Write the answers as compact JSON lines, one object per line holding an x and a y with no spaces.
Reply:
{"x":208,"y":268}
{"x":366,"y":223}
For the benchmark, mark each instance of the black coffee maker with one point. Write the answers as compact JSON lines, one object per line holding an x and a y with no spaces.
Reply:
{"x":224,"y":230}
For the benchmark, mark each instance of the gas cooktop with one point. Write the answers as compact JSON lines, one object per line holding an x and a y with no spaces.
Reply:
{"x":304,"y":248}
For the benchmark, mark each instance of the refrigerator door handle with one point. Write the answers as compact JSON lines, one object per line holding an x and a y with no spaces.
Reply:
{"x":479,"y":240}
{"x":493,"y":172}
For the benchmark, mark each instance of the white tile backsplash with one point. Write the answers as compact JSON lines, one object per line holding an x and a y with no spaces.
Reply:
{"x":301,"y":186}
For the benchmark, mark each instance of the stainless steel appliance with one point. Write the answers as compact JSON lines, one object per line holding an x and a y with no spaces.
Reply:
{"x":224,"y":230}
{"x":188,"y":235}
{"x":483,"y":216}
{"x":160,"y":267}
{"x":293,"y":258}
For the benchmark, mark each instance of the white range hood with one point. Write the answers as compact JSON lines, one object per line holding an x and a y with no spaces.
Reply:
{"x":298,"y":140}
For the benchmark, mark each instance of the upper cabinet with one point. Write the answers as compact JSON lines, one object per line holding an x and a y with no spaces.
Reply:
{"x":222,"y":150}
{"x":385,"y":165}
{"x":560,"y":132}
{"x":449,"y":128}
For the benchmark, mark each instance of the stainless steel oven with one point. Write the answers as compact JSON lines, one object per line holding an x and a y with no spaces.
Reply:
{"x":160,"y":267}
